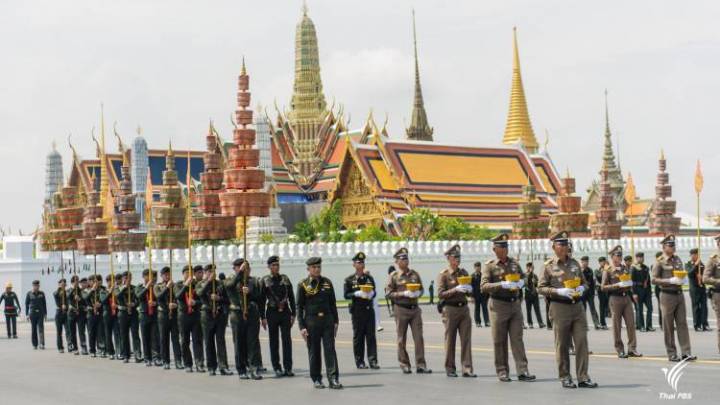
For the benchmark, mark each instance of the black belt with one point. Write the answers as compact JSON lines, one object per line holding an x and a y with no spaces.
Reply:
{"x":455,"y":304}
{"x":505,"y":299}
{"x":619,"y":294}
{"x":563,"y":301}
{"x":673,"y":292}
{"x":407,"y":306}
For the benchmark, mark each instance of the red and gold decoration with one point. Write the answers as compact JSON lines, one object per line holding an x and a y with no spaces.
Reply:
{"x":569,"y":218}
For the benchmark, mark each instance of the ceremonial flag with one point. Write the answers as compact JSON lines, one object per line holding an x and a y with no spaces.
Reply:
{"x":630,"y":194}
{"x":698,"y":178}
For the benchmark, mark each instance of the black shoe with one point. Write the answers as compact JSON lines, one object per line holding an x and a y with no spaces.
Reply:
{"x":469,"y":375}
{"x":211,"y":372}
{"x":674,"y":358}
{"x":318,"y":385}
{"x":526,"y":377}
{"x":478,"y":325}
{"x":126,"y":361}
{"x":77,"y":353}
{"x":14,"y":336}
{"x":179,"y":365}
{"x":504,"y":378}
{"x":148,"y":364}
{"x":158,"y":363}
{"x":112,"y":357}
{"x":421,"y":370}
{"x":279,"y":373}
{"x":633,"y":353}
{"x":374,"y":366}
{"x":166,"y":366}
{"x":34,"y":347}
{"x":604,"y":327}
{"x":361,"y":366}
{"x":335,"y":385}
{"x":622,"y":355}
{"x":42,"y":347}
{"x":93,"y":355}
{"x":225,"y":371}
{"x":289,"y":373}
{"x":707,"y":329}
{"x":189,"y":370}
{"x":531,"y":326}
{"x":255,"y":376}
{"x":587,"y":384}
{"x":568,"y":383}
{"x":405,"y":370}
{"x":487,"y":324}
{"x":697,"y":329}
{"x":138,"y":360}
{"x":84,"y":352}
{"x":689,"y":357}
{"x":201,"y":369}
{"x":451,"y":374}
{"x":243,"y":375}
{"x":541,"y":326}
{"x":650,"y":329}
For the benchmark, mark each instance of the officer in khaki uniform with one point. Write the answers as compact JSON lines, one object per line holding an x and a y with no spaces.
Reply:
{"x":453,"y":306}
{"x":566,"y":311}
{"x":672,"y":301}
{"x":407,"y":311}
{"x":506,"y":318}
{"x":711,"y":277}
{"x":621,"y":303}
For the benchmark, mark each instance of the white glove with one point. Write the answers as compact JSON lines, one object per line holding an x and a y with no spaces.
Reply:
{"x":676,"y":281}
{"x":359,"y":294}
{"x":685,"y":281}
{"x":628,"y":283}
{"x":370,"y":295}
{"x":565,"y":292}
{"x":508,"y":285}
{"x":580,"y":290}
{"x":460,"y":288}
{"x":416,"y":294}
{"x":408,"y":293}
{"x":468,"y":289}
{"x":521,"y":283}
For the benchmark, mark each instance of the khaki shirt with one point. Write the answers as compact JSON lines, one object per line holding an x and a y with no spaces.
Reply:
{"x":711,"y":275}
{"x":555,"y":273}
{"x":493,"y":274}
{"x":447,"y":280}
{"x":611,"y":276}
{"x":396,"y":286}
{"x":663,"y":272}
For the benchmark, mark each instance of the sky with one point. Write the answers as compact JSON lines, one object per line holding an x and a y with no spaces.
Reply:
{"x":170,"y":66}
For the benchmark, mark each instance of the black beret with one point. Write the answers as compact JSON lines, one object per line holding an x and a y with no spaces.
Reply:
{"x":602,"y":259}
{"x":83,"y":280}
{"x":209,"y":267}
{"x":108,"y":277}
{"x":146,"y":272}
{"x":238,"y":262}
{"x":628,"y":257}
{"x":36,"y":282}
{"x":477,"y":264}
{"x":693,"y":251}
{"x":197,"y":269}
{"x":62,"y":280}
{"x":529,"y":264}
{"x":273,"y":259}
{"x":585,"y":258}
{"x":186,"y":268}
{"x":221,"y":276}
{"x":639,"y":254}
{"x":313,"y":261}
{"x":165,"y":270}
{"x":74,"y":278}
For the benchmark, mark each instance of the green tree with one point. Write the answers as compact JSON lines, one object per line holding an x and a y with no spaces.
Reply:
{"x":419,"y":224}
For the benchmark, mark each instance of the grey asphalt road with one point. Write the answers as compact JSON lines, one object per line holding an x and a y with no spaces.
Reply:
{"x":47,"y":377}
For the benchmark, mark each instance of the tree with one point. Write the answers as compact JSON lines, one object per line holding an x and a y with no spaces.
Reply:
{"x":419,"y":224}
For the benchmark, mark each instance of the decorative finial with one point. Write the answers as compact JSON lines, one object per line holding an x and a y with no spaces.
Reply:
{"x":547,"y":139}
{"x":662,"y":154}
{"x":121,"y":146}
{"x":139,"y":130}
{"x":567,"y":172}
{"x":54,"y":146}
{"x":305,"y":8}
{"x":74,"y":152}
{"x":243,"y":71}
{"x":170,"y":149}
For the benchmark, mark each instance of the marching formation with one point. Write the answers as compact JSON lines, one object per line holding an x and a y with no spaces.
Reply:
{"x":143,"y":322}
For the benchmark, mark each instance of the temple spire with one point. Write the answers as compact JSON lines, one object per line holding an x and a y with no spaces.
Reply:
{"x":608,"y":154}
{"x":419,"y":129}
{"x":518,"y":129}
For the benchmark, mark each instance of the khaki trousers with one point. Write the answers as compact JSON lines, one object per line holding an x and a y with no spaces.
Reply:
{"x":674,"y":317}
{"x":457,"y":321}
{"x":570,"y":326}
{"x":404,"y":318}
{"x":623,"y":308}
{"x":506,"y":322}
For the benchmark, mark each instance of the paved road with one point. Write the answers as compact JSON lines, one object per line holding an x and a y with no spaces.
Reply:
{"x":46,"y":377}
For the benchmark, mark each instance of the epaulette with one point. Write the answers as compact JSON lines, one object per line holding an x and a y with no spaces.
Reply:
{"x":548,"y":261}
{"x":491,"y":261}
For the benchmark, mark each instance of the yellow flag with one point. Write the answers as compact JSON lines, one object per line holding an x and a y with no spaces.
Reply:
{"x":698,"y":178}
{"x":630,"y":189}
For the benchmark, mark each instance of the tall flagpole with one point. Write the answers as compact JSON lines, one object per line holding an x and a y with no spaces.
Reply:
{"x":698,"y":189}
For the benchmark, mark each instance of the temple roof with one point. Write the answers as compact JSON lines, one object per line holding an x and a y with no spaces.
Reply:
{"x":480,"y":185}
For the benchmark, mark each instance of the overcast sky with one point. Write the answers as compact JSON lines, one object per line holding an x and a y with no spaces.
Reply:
{"x":169,"y":66}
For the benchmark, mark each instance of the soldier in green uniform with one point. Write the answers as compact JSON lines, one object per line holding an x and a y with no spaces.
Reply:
{"x":212,"y":294}
{"x":75,"y":308}
{"x":246,"y":306}
{"x":128,"y":319}
{"x":94,"y":316}
{"x":36,"y":311}
{"x":82,"y":318}
{"x":189,"y":305}
{"x":505,"y":310}
{"x":362,"y":313}
{"x":109,"y":317}
{"x":11,"y":310}
{"x":277,"y":291}
{"x":672,"y":301}
{"x":145,"y":293}
{"x":318,"y":321}
{"x":566,"y":311}
{"x":60,"y":296}
{"x":168,"y":320}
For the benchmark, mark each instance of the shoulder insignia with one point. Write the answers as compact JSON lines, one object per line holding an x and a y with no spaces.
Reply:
{"x":548,"y":261}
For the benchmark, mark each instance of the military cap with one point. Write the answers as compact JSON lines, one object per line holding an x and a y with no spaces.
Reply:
{"x":693,"y":251}
{"x":454,"y":251}
{"x":146,"y":272}
{"x":186,"y":268}
{"x":62,"y":280}
{"x":359,"y":257}
{"x":197,"y":269}
{"x":669,"y":240}
{"x":273,"y":259}
{"x":501,"y":240}
{"x":108,"y":278}
{"x":477,"y":264}
{"x":402,"y":253}
{"x":209,"y":267}
{"x":165,"y":270}
{"x":616,"y":251}
{"x":238,"y":262}
{"x":313,"y":261}
{"x":83,"y":280}
{"x":221,"y":276}
{"x":36,"y":282}
{"x":560,"y":237}
{"x":639,"y":254}
{"x":602,"y":259}
{"x":74,"y":278}
{"x":627,"y":258}
{"x":585,"y":258}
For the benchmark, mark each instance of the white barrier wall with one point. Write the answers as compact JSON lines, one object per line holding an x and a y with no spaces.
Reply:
{"x":19,"y":265}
